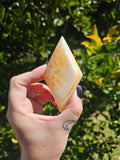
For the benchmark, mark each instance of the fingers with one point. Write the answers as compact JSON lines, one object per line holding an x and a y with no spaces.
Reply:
{"x":28,"y":78}
{"x":41,"y":93}
{"x":71,"y":113}
{"x":36,"y":106}
{"x":19,"y":84}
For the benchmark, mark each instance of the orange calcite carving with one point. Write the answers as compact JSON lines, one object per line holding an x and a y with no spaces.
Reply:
{"x":62,"y":74}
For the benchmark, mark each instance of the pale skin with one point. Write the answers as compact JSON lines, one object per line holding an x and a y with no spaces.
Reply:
{"x":40,"y":137}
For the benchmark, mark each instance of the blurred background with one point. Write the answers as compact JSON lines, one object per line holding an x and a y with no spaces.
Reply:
{"x":29,"y":32}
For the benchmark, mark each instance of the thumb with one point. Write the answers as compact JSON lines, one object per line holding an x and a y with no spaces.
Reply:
{"x":72,"y":112}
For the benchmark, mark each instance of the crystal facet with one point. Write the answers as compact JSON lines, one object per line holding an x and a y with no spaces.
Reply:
{"x":62,"y":74}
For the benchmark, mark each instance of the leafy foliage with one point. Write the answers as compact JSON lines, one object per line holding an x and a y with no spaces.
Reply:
{"x":29,"y":31}
{"x":97,"y":136}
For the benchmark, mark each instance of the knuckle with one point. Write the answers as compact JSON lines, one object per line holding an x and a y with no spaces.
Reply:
{"x":13,"y":79}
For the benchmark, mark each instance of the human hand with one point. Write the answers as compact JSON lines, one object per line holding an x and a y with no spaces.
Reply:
{"x":40,"y":137}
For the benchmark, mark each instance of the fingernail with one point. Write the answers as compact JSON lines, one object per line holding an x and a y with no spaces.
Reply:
{"x":79,"y":91}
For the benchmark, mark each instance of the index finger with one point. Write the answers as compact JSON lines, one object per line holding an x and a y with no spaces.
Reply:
{"x":19,"y":84}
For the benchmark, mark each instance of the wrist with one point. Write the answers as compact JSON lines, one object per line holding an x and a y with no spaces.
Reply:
{"x":37,"y":156}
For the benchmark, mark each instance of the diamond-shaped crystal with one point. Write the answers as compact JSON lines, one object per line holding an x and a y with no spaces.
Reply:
{"x":62,"y":74}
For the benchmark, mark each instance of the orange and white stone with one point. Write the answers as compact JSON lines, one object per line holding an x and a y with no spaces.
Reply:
{"x":62,"y":74}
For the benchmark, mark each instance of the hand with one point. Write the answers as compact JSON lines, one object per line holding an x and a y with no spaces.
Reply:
{"x":40,"y":137}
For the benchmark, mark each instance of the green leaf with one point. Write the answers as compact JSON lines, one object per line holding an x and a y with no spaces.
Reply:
{"x":29,"y":15}
{"x":97,"y":57}
{"x":2,"y":108}
{"x":2,"y":12}
{"x":14,"y":140}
